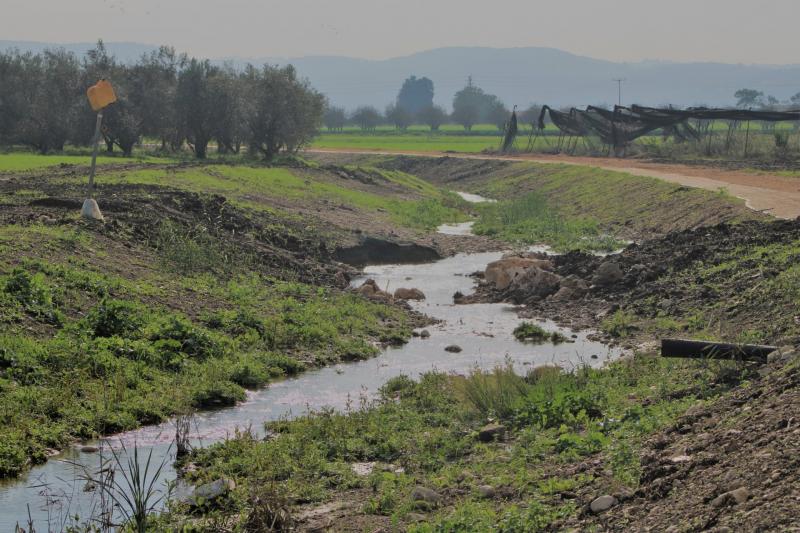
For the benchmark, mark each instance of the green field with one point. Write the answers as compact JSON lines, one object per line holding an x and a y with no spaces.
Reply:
{"x":21,"y":161}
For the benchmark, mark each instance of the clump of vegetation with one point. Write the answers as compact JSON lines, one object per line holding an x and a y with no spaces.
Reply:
{"x":530,"y":332}
{"x":620,"y":324}
{"x":530,"y":220}
{"x":34,"y":295}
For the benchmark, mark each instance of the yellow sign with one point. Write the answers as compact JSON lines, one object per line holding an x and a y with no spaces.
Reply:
{"x":101,"y":94}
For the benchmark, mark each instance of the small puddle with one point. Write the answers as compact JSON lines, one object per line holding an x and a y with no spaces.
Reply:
{"x":474,"y":198}
{"x":55,"y":490}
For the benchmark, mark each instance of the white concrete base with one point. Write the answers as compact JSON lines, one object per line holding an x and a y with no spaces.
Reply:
{"x":91,"y":210}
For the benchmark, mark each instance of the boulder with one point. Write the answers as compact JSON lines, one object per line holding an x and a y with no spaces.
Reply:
{"x":371,"y":290}
{"x":491,"y":432}
{"x":607,"y":273}
{"x":603,"y":503}
{"x":409,"y":294}
{"x":453,"y":348}
{"x":535,"y":283}
{"x":503,"y":272}
{"x":486,"y":492}
{"x":570,"y":288}
{"x":424,"y":334}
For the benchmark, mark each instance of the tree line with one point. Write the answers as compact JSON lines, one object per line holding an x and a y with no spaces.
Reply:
{"x":414,"y":105}
{"x":166,"y":97}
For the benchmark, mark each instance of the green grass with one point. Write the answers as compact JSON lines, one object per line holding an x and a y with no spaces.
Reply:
{"x":530,"y":220}
{"x":408,"y":142}
{"x":554,"y":419}
{"x":614,"y":202}
{"x":257,"y":187}
{"x":84,"y":352}
{"x":20,"y":161}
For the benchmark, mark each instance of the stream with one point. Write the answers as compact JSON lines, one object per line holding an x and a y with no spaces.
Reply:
{"x":54,"y":491}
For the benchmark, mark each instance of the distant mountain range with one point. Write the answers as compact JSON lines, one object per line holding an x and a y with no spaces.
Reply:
{"x":517,"y":75}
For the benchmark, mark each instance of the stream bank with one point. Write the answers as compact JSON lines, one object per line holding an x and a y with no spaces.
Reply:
{"x":484,"y":332}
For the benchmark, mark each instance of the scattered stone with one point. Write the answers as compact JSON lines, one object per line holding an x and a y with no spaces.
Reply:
{"x":453,"y":348}
{"x":571,"y":288}
{"x":607,"y":273}
{"x":424,"y":334}
{"x":603,"y":503}
{"x":782,"y":354}
{"x":207,"y":493}
{"x":680,"y":459}
{"x":491,"y":432}
{"x":363,"y":469}
{"x":732,"y":497}
{"x":486,"y":492}
{"x":416,"y":517}
{"x":426,"y":496}
{"x":409,"y":294}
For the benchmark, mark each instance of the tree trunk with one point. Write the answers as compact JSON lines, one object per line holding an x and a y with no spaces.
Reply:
{"x":200,"y":149}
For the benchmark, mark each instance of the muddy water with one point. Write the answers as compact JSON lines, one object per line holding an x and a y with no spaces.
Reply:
{"x":54,"y":490}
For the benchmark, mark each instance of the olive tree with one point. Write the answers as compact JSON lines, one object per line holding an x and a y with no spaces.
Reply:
{"x":433,"y":116}
{"x":366,"y":117}
{"x":398,"y":116}
{"x":194,"y":105}
{"x":51,"y":87}
{"x":335,"y":118}
{"x":284,"y":111}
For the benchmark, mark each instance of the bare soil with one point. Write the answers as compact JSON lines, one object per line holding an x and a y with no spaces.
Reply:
{"x":747,"y":440}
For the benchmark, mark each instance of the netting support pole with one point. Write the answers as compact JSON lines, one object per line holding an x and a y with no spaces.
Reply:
{"x":710,"y":133}
{"x":746,"y":139}
{"x":95,"y":142}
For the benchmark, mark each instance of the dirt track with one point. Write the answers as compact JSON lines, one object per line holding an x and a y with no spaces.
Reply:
{"x":771,"y":193}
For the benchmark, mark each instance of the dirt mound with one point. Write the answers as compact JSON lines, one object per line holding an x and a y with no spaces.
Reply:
{"x":726,"y":278}
{"x":728,"y":466}
{"x":139,"y":214}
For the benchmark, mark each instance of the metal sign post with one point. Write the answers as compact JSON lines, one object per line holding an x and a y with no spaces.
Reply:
{"x":100,"y":95}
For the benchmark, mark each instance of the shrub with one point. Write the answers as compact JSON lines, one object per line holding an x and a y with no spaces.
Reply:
{"x":189,"y":339}
{"x":116,"y":318}
{"x":34,"y":295}
{"x":217,"y":393}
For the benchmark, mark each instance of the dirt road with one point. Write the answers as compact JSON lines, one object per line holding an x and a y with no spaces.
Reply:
{"x":771,"y":193}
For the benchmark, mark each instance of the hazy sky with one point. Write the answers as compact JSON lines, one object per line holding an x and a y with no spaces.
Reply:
{"x":735,"y":31}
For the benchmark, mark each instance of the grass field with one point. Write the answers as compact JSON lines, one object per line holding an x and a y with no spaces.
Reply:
{"x":21,"y":161}
{"x":407,"y":142}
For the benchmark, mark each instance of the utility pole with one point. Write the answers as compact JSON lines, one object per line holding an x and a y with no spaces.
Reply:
{"x":619,"y":89}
